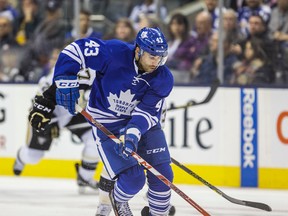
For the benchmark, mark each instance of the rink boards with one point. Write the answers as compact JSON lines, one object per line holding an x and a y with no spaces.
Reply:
{"x":239,"y":138}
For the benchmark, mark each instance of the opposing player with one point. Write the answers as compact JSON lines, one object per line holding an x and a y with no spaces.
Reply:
{"x":129,"y":86}
{"x":39,"y":142}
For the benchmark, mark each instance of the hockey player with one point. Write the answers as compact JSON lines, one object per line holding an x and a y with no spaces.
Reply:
{"x":129,"y":85}
{"x":38,"y":142}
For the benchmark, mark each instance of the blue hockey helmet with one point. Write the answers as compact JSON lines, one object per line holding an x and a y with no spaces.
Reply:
{"x":153,"y":41}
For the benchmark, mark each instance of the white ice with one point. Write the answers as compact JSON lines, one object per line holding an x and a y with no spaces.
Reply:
{"x":23,"y":196}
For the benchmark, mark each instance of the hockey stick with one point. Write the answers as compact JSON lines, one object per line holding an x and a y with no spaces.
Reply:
{"x":211,"y":93}
{"x":142,"y":161}
{"x":258,"y":205}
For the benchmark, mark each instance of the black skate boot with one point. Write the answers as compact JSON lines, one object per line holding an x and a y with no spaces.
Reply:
{"x":120,"y":208}
{"x":18,"y":166}
{"x":172,"y":210}
{"x":145,"y":211}
{"x":82,"y":183}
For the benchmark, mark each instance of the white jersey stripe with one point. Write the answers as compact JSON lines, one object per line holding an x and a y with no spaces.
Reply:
{"x":99,"y":115}
{"x":80,"y":54}
{"x":105,"y":120}
{"x":72,"y":49}
{"x":108,"y":121}
{"x":102,"y":154}
{"x":94,"y":110}
{"x":72,"y":56}
{"x":102,"y":118}
{"x":151,"y":119}
{"x":147,"y":119}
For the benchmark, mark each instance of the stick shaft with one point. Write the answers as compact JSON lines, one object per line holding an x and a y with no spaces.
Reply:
{"x":258,"y":205}
{"x":207,"y":99}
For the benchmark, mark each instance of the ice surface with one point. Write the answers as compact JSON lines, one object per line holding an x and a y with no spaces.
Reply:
{"x":23,"y":196}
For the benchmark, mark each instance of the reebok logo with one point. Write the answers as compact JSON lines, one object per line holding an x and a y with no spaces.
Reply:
{"x":249,"y":138}
{"x":248,"y":126}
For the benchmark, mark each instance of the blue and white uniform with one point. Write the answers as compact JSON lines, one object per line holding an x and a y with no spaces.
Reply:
{"x":119,"y":95}
{"x":122,"y":96}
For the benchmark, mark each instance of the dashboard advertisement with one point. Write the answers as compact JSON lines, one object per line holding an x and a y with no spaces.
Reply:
{"x":239,"y":138}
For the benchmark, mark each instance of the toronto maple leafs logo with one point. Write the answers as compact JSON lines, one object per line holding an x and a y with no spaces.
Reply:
{"x":144,"y":34}
{"x":124,"y":104}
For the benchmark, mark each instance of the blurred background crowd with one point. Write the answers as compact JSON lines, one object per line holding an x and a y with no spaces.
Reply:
{"x":247,"y":38}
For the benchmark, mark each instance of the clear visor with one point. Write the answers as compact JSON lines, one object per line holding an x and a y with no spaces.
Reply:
{"x":163,"y":60}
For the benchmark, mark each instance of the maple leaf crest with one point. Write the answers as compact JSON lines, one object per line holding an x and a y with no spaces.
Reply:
{"x":144,"y":34}
{"x":124,"y":104}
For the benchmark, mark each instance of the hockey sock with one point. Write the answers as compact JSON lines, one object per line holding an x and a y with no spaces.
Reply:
{"x":129,"y":182}
{"x":121,"y":196}
{"x":159,"y":202}
{"x":87,"y":170}
{"x":30,"y":156}
{"x":105,"y":186}
{"x":159,"y":194}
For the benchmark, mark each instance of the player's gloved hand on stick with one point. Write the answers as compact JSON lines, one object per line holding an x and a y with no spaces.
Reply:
{"x":41,"y":113}
{"x":67,"y":92}
{"x":129,"y":142}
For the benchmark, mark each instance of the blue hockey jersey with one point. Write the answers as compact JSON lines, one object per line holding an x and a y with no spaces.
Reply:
{"x":120,"y":95}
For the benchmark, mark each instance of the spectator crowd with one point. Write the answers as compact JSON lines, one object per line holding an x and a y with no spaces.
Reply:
{"x":255,"y":38}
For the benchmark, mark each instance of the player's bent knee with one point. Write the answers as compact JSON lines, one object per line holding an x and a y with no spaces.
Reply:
{"x":90,"y":152}
{"x":132,"y":180}
{"x":155,"y":183}
{"x":31,"y":156}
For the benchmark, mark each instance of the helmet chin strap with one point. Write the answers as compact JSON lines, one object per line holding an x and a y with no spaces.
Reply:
{"x":140,"y":53}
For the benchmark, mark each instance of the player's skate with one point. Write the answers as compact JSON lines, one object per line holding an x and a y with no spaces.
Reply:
{"x":145,"y":211}
{"x":120,"y":208}
{"x":82,"y":183}
{"x":103,"y":210}
{"x":18,"y":166}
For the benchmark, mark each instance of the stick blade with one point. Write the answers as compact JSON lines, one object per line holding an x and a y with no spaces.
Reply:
{"x":261,"y":206}
{"x":252,"y":204}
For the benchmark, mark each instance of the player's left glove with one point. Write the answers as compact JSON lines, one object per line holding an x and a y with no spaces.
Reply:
{"x":129,"y":142}
{"x":67,"y":92}
{"x":41,"y":113}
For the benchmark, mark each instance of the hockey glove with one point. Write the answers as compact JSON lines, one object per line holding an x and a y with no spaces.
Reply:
{"x":41,"y":113}
{"x":129,"y":142}
{"x":67,"y":92}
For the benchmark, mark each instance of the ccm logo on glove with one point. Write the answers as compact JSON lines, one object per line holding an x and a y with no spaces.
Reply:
{"x":41,"y":107}
{"x":67,"y":83}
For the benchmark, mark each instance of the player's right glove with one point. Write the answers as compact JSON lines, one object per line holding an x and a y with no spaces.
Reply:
{"x":129,"y":142}
{"x":41,"y":113}
{"x":67,"y":92}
